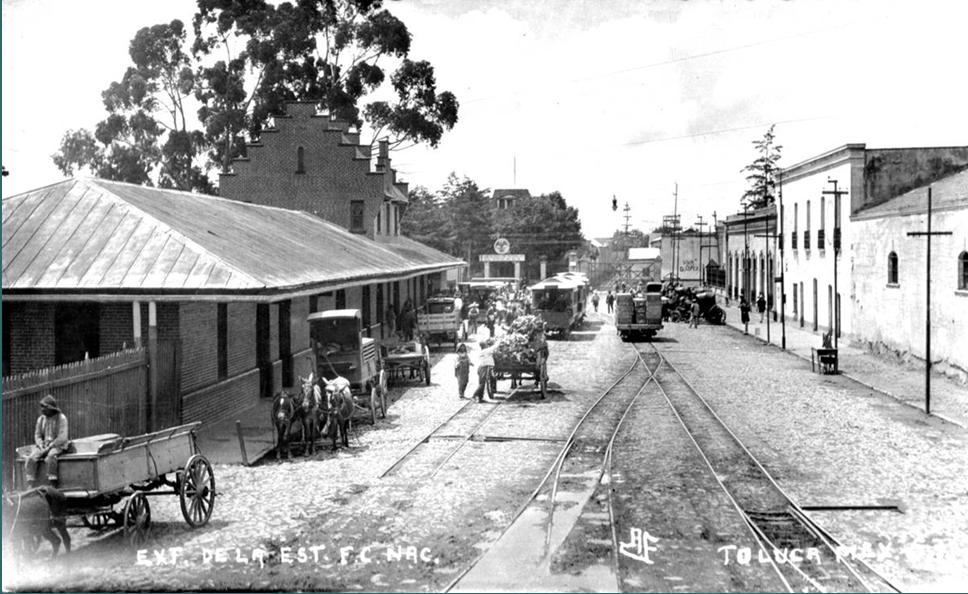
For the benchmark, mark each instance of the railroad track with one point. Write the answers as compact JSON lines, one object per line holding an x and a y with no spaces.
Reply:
{"x":578,"y":468}
{"x":779,"y":524}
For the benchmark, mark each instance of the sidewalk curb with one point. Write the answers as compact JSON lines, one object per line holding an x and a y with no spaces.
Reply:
{"x":854,"y":379}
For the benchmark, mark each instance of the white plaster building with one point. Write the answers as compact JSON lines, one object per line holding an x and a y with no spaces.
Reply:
{"x":889,"y":273}
{"x":811,"y":223}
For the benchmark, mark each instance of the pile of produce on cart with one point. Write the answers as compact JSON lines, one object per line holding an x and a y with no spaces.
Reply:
{"x":521,"y":345}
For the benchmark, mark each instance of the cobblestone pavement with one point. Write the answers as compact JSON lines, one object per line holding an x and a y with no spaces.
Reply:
{"x":903,"y":381}
{"x":832,"y":442}
{"x":399,"y":533}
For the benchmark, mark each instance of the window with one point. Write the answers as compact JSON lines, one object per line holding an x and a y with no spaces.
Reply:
{"x":793,"y":236}
{"x":892,"y":268}
{"x":300,"y":163}
{"x":77,"y":332}
{"x":963,"y":271}
{"x":223,"y":341}
{"x":341,"y":299}
{"x":285,"y":342}
{"x":356,"y":216}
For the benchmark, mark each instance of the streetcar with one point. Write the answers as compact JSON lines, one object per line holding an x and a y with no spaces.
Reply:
{"x":560,"y":302}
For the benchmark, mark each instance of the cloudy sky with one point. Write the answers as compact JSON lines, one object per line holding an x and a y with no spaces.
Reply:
{"x":588,"y":97}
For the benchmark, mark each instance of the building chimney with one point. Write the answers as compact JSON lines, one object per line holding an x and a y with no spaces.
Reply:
{"x":383,"y":160}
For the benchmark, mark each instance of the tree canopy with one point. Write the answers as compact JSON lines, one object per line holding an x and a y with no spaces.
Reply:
{"x":762,"y":172}
{"x":245,"y":61}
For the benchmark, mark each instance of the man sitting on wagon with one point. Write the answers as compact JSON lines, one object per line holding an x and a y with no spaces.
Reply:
{"x":50,"y":439}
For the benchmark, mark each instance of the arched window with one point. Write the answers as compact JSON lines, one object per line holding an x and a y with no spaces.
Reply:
{"x":963,"y":271}
{"x":300,"y":164}
{"x":892,"y":268}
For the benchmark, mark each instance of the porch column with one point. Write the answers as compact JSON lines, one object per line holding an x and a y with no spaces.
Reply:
{"x":136,"y":323}
{"x":517,"y":271}
{"x":487,"y":270}
{"x":151,"y":420}
{"x":544,"y":268}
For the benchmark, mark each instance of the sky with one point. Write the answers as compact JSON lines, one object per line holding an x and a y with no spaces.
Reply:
{"x":591,"y":98}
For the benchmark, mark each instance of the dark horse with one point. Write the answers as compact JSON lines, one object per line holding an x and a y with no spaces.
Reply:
{"x":308,"y":411}
{"x":34,"y":514}
{"x":283,"y":413}
{"x":338,"y":410}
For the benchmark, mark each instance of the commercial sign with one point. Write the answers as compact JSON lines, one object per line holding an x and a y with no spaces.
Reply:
{"x":502,"y":257}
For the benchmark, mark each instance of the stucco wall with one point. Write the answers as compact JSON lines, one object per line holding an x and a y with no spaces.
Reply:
{"x":893,"y":318}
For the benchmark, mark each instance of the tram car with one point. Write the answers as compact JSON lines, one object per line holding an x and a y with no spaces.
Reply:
{"x":560,"y":302}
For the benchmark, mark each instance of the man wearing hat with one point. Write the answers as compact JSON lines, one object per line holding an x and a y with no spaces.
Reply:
{"x":50,"y":438}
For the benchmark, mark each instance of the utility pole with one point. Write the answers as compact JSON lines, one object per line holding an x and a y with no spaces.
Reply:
{"x":675,"y":232}
{"x":746,"y":256}
{"x":927,"y":303}
{"x":835,"y":240}
{"x":783,"y":267}
{"x":627,"y":210}
{"x":700,"y":224}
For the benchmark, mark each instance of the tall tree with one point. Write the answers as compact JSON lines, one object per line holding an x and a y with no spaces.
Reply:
{"x":762,"y":172}
{"x":426,"y":221}
{"x":541,"y":226}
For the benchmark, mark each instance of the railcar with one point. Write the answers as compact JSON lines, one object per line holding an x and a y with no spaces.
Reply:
{"x":560,"y":302}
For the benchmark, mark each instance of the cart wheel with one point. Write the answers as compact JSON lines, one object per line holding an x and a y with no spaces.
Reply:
{"x":374,"y":403}
{"x":197,"y":491}
{"x":137,"y":519}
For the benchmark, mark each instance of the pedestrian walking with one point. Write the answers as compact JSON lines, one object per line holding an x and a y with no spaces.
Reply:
{"x":610,"y":301}
{"x":744,"y":311}
{"x":595,"y":301}
{"x":472,"y":314}
{"x":491,"y":320}
{"x":462,"y":369}
{"x":694,"y":317}
{"x":761,"y":306}
{"x":485,"y":373}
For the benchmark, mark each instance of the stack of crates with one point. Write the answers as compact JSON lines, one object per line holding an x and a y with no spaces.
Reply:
{"x":639,"y":310}
{"x":623,"y":308}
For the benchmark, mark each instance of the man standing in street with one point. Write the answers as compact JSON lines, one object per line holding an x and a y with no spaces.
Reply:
{"x":485,"y":387}
{"x":694,"y":314}
{"x":595,"y":301}
{"x":610,"y":301}
{"x":761,"y":306}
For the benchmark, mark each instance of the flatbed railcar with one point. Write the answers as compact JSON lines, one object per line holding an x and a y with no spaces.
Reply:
{"x":639,"y":314}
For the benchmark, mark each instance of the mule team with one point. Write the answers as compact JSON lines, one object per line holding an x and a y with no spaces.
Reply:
{"x":312,"y":413}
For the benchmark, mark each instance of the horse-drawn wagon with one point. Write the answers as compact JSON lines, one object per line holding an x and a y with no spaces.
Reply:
{"x":105,"y":481}
{"x":341,"y":351}
{"x":522,"y":354}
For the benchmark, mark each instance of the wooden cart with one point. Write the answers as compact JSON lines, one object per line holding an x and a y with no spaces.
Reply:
{"x":405,"y":360}
{"x":518,"y":372}
{"x":106,"y":481}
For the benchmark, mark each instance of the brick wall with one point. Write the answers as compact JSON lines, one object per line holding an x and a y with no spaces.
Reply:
{"x":199,"y":345}
{"x":336,"y":170}
{"x":223,"y":400}
{"x":241,"y":338}
{"x":31,"y":335}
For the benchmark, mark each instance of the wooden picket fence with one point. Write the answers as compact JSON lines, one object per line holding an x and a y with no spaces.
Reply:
{"x":102,"y":395}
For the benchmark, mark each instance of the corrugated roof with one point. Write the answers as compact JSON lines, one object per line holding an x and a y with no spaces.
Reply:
{"x":92,"y":234}
{"x":947,"y":192}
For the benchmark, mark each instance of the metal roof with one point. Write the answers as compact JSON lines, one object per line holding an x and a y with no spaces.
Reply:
{"x":92,"y":235}
{"x":334,"y":314}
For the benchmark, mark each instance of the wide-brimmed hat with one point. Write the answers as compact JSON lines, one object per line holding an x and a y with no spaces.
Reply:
{"x":48,"y":403}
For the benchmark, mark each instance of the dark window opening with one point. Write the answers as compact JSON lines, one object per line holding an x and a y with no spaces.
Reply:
{"x":263,"y":343}
{"x":300,"y":162}
{"x":892,"y":268}
{"x":379,"y":304}
{"x":313,"y":303}
{"x":6,"y":339}
{"x":341,"y":299}
{"x":285,"y":342}
{"x":357,"y":208}
{"x":77,"y":332}
{"x":962,"y":283}
{"x":365,"y":308}
{"x":223,"y":340}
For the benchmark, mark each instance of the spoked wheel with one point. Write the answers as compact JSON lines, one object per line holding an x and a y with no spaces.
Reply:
{"x":374,"y":403}
{"x":196,"y":491}
{"x":137,"y":519}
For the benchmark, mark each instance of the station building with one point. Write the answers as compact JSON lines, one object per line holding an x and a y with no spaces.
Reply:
{"x":220,"y":287}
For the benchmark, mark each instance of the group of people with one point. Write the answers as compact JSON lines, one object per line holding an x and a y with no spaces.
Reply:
{"x":404,"y":322}
{"x":744,"y":310}
{"x":486,"y":382}
{"x":609,"y":301}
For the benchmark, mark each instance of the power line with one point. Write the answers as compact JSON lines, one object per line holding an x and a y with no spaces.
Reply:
{"x":723,"y":131}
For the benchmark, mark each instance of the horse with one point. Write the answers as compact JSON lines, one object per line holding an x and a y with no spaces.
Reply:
{"x":308,"y":411}
{"x":283,"y":412}
{"x":338,"y":409}
{"x":36,"y":513}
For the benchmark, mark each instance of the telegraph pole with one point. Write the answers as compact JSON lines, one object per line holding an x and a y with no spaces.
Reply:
{"x":627,"y":210}
{"x":836,"y":245}
{"x":927,"y":302}
{"x":783,"y":268}
{"x":700,"y":224}
{"x":675,"y":232}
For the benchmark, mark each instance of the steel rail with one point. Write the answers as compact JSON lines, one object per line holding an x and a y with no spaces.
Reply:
{"x":769,"y":477}
{"x":537,"y":490}
{"x":753,"y":530}
{"x":423,"y":440}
